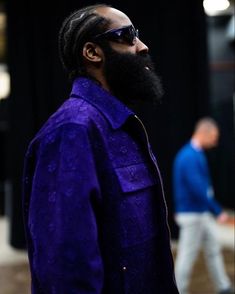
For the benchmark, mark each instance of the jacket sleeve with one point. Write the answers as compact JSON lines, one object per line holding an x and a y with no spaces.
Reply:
{"x":199,"y":184}
{"x":62,"y":222}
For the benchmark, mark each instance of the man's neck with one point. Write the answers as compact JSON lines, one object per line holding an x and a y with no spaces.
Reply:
{"x":196,"y":143}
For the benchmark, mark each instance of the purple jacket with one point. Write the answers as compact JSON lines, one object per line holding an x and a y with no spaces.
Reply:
{"x":94,"y":210}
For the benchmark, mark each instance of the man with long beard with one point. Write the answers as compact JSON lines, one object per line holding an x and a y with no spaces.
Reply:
{"x":94,"y":208}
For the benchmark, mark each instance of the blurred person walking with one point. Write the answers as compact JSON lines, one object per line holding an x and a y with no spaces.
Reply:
{"x":195,"y":206}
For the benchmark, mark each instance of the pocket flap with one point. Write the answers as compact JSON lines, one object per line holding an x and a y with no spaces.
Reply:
{"x":135,"y":177}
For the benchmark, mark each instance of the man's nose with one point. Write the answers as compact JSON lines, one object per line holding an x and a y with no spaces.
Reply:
{"x":141,"y":47}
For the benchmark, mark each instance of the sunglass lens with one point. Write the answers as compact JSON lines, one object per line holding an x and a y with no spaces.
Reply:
{"x":129,"y":35}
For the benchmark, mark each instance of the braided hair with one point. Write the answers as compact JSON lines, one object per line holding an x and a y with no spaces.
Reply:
{"x":78,"y":28}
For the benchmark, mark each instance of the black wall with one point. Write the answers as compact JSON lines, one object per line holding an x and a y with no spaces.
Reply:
{"x":176,"y":35}
{"x":221,"y":48}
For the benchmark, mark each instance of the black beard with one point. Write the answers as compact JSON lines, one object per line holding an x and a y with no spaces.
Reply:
{"x":131,"y":77}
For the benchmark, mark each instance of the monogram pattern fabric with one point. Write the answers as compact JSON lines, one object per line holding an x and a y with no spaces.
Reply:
{"x":94,"y":213}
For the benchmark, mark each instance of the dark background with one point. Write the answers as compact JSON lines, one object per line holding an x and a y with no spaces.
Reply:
{"x":191,"y":53}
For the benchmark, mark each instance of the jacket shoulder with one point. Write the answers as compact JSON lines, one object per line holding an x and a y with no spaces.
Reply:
{"x":72,"y":111}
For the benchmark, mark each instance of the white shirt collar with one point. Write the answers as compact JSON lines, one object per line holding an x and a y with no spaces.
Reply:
{"x":195,"y":145}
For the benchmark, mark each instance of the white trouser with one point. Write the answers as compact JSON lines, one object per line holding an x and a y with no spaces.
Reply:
{"x":198,"y":230}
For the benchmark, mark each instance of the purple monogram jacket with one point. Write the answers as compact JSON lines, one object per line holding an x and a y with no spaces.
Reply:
{"x":94,"y":210}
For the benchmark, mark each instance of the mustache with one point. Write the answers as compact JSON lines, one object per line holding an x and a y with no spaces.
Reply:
{"x":143,"y":58}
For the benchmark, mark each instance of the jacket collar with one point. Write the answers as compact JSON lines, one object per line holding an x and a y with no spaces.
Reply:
{"x":113,"y":109}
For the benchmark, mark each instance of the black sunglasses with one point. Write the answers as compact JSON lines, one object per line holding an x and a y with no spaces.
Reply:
{"x":127,"y":34}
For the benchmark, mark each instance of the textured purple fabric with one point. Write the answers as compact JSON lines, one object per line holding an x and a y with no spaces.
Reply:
{"x":94,"y":211}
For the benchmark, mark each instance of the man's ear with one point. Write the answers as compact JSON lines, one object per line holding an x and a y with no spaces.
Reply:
{"x":92,"y":52}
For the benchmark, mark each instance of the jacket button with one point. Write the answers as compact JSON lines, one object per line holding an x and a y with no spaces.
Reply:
{"x":124,"y":268}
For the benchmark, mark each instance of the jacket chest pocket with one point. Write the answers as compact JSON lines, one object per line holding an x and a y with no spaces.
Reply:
{"x":138,"y":209}
{"x":135,"y":177}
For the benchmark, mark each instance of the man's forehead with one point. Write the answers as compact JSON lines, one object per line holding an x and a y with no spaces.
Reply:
{"x":117,"y":18}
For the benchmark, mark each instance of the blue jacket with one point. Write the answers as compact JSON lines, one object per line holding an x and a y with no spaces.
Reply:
{"x":94,"y":209}
{"x":192,"y":185}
